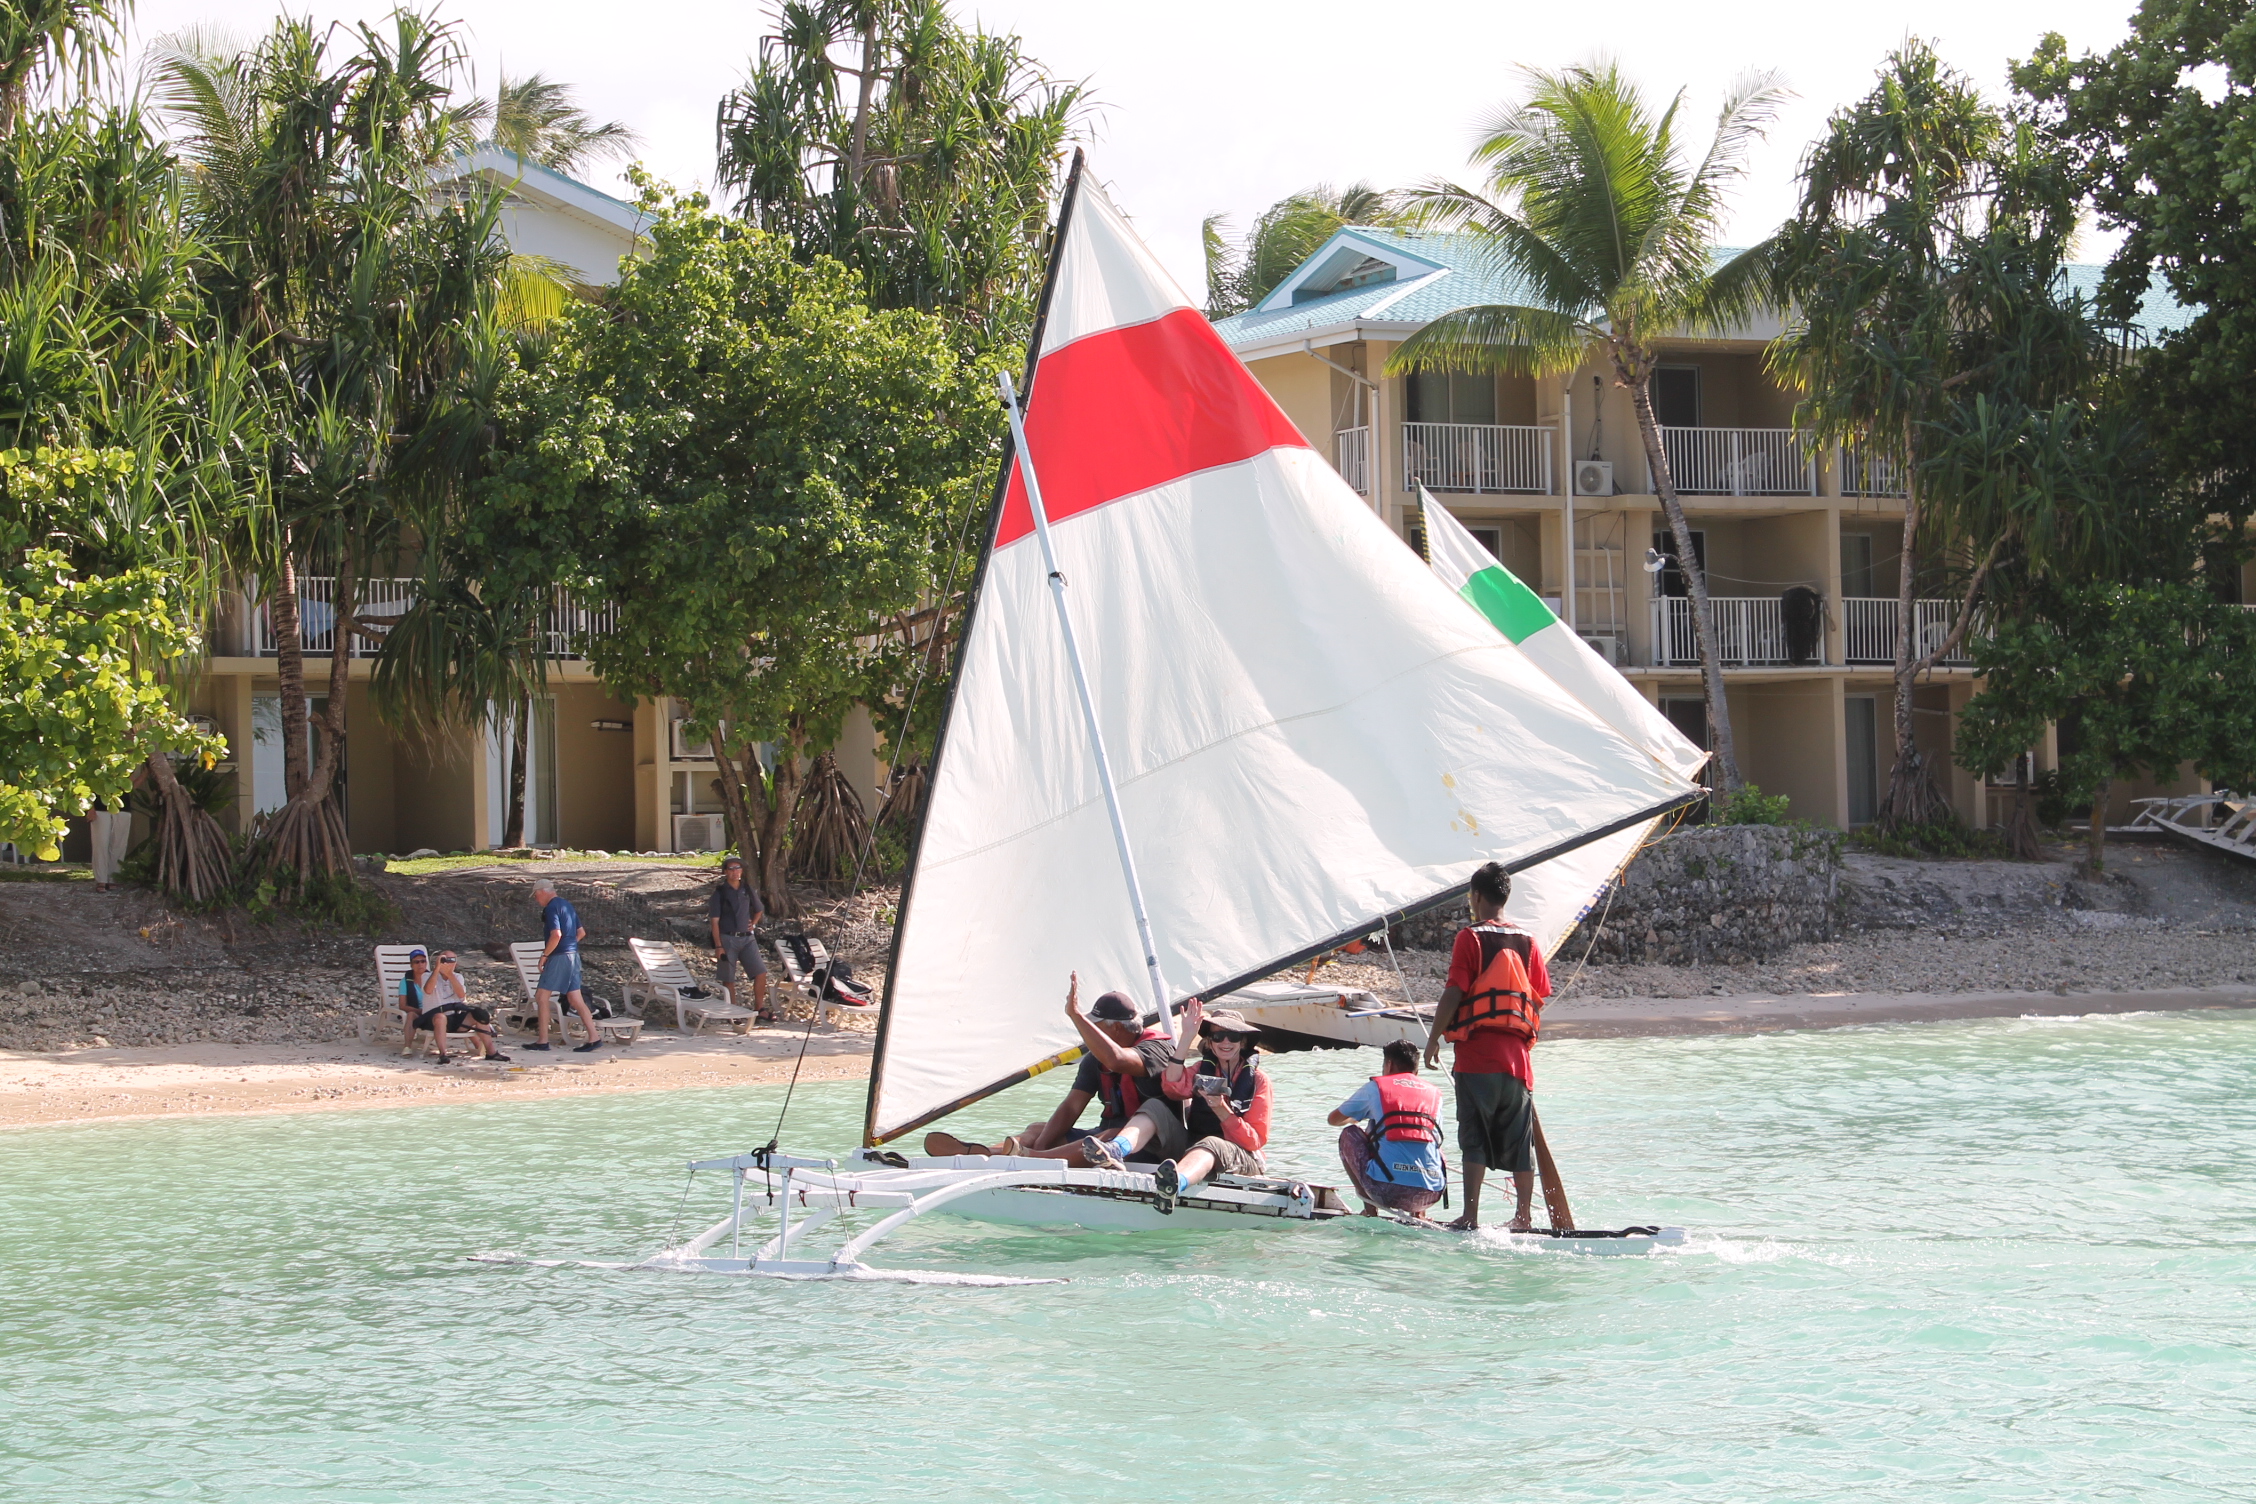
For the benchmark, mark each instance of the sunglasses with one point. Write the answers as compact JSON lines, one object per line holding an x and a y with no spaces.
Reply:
{"x":1220,"y":1034}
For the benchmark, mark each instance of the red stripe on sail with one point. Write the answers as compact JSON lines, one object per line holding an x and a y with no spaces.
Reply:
{"x":1129,"y":409}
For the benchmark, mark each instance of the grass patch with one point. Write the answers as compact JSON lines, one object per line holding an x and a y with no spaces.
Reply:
{"x":64,"y":873}
{"x":457,"y":861}
{"x":1941,"y":838}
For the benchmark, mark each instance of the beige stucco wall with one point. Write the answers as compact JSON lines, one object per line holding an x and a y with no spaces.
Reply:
{"x":1789,"y":742}
{"x":595,"y":770}
{"x":434,"y":779}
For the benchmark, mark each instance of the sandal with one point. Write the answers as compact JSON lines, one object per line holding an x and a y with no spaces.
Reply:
{"x":445,"y":1058}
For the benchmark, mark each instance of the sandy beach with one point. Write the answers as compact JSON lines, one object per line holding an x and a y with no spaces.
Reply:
{"x":207,"y":1080}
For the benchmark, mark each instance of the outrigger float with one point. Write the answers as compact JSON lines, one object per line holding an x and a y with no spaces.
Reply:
{"x":1197,"y":666}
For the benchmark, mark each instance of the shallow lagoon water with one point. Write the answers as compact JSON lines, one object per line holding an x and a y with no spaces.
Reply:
{"x":2004,"y":1260}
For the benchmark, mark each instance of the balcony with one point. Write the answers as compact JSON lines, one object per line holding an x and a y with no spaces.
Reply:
{"x":1868,"y":630}
{"x":1870,"y":475}
{"x":1751,"y":632}
{"x":1351,"y":457}
{"x":566,"y":625}
{"x":1478,"y":457}
{"x":1738,"y":462}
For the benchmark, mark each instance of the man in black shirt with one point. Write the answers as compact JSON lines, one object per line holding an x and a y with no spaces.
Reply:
{"x":735,"y":912}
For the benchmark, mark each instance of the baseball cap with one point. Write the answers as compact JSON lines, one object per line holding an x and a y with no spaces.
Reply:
{"x":418,"y":951}
{"x":734,"y":861}
{"x":1114,"y":1008}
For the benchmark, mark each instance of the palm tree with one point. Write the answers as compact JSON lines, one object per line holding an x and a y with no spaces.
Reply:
{"x":1287,"y":233}
{"x":540,"y":121}
{"x":1589,"y":207}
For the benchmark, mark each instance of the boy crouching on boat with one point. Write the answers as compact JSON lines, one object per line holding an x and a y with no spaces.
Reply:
{"x":1390,"y":1137}
{"x":1490,"y":1011}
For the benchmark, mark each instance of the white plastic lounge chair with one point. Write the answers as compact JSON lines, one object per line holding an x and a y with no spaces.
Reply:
{"x":391,"y":965}
{"x":806,"y":962}
{"x":525,"y":1014}
{"x":665,"y":977}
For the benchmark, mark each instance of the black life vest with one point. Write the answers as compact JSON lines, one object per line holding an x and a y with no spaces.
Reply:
{"x":1200,"y":1119}
{"x":1120,"y":1094}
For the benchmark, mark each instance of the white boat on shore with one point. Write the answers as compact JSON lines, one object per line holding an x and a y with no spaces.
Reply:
{"x":1210,"y":719}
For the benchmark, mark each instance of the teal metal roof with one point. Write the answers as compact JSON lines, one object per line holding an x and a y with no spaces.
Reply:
{"x":1466,"y":282}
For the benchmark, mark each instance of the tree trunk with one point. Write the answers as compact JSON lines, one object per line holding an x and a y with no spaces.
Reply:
{"x":307,"y":837}
{"x":772,"y":808}
{"x":289,"y":670}
{"x":1912,"y":798}
{"x":1695,"y":578}
{"x":513,"y":825}
{"x":857,"y":152}
{"x":733,"y":805}
{"x":2095,"y":840}
{"x":193,"y":857}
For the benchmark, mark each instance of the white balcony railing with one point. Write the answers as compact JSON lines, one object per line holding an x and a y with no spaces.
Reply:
{"x":1870,"y":475}
{"x":1476,"y":457}
{"x":566,"y":625}
{"x":1351,"y":457}
{"x":1738,"y":462}
{"x":1868,"y":630}
{"x":1750,"y":632}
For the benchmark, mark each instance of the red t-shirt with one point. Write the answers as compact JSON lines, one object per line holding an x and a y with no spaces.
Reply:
{"x":1492,"y":1051}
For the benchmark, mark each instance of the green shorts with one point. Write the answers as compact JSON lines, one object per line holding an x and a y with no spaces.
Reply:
{"x":1495,"y":1122}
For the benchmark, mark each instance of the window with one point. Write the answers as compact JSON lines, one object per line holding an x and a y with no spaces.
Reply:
{"x":1672,"y":578}
{"x":1451,"y":397}
{"x":1857,"y":575}
{"x":1491,"y":539}
{"x":1676,"y":396}
{"x":1690,"y":718}
{"x":1863,"y":755}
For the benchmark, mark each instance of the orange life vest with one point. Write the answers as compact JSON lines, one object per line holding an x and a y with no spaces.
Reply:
{"x":1502,"y":997}
{"x":1409,"y":1108}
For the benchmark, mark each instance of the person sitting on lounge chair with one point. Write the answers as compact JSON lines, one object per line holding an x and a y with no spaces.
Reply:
{"x":1226,"y":1097}
{"x":447,"y":1010}
{"x":1390,"y":1137}
{"x":1122,"y":1068}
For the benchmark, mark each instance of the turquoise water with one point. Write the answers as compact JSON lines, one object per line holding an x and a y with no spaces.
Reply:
{"x":2007,"y":1260}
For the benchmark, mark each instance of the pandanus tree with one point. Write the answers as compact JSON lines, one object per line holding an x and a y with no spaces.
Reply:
{"x":1589,"y":205}
{"x":366,"y":300}
{"x":1932,"y":330}
{"x":124,"y":420}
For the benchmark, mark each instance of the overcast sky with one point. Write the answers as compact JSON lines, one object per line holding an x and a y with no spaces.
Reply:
{"x":1213,"y":106}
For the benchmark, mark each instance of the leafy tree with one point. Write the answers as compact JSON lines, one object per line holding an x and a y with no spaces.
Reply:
{"x":1240,"y":274}
{"x":2151,"y":676}
{"x":1589,"y":207}
{"x":759,"y":471}
{"x":2159,"y":130}
{"x":81,"y":701}
{"x":927,"y":163}
{"x":1932,"y":331}
{"x":371,"y":308}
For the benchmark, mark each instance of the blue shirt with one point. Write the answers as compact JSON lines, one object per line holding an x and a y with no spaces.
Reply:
{"x":1407,"y":1160}
{"x":560,"y":916}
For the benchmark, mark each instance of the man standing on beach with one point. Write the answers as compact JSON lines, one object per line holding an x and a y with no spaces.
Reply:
{"x":1489,"y":1011}
{"x":560,"y":967}
{"x":736,"y":912}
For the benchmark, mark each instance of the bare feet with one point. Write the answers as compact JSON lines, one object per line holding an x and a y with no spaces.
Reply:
{"x":1466,"y":1223}
{"x":1521,"y":1223}
{"x":1370,"y":1210}
{"x":946,"y":1145}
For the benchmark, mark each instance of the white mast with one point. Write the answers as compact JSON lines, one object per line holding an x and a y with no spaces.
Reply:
{"x":1025,"y":462}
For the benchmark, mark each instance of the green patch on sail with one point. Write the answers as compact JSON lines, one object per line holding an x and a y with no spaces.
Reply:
{"x":1512,"y":608}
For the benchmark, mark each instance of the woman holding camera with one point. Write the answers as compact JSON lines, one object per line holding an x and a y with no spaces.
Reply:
{"x":1226,"y":1099}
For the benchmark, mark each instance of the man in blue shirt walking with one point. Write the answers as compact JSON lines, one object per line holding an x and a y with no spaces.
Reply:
{"x":560,"y":966}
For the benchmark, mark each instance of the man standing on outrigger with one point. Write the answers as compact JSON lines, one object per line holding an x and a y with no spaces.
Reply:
{"x":1490,"y":1011}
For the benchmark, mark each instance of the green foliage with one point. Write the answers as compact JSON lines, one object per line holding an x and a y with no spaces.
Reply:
{"x":2162,"y":153}
{"x":538,"y":119}
{"x":80,"y":701}
{"x":755,"y":466}
{"x":2154,"y":676}
{"x":1748,"y":805}
{"x":1933,"y":838}
{"x":925,"y":160}
{"x":1287,"y":233}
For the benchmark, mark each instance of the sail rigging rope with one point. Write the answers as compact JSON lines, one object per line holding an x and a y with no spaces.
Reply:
{"x":869,"y":842}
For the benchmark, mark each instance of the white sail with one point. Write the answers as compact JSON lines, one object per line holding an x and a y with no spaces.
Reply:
{"x":1549,"y":900}
{"x":1309,"y":731}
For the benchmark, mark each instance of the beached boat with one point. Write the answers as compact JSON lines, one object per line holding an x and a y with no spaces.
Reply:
{"x":1210,"y":718}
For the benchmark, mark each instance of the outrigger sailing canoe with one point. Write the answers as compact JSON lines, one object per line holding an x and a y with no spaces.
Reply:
{"x":1209,"y":718}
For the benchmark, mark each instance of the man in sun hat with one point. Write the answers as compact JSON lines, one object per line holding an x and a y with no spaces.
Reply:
{"x":1121,"y":1069}
{"x":735,"y":912}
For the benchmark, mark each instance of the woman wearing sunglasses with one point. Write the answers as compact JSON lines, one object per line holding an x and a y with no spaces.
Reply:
{"x":446,"y":1007}
{"x":1226,"y":1099}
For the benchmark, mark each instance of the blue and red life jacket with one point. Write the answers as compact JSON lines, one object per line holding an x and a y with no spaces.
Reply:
{"x":1409,"y":1108}
{"x":1120,"y":1094}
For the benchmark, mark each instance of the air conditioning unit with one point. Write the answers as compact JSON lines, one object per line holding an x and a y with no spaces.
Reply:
{"x":1594,"y":477}
{"x":683,"y":749}
{"x":1607,"y":645}
{"x":699,"y":832}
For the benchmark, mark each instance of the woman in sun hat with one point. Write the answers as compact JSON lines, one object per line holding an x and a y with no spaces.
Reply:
{"x":1226,"y":1099}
